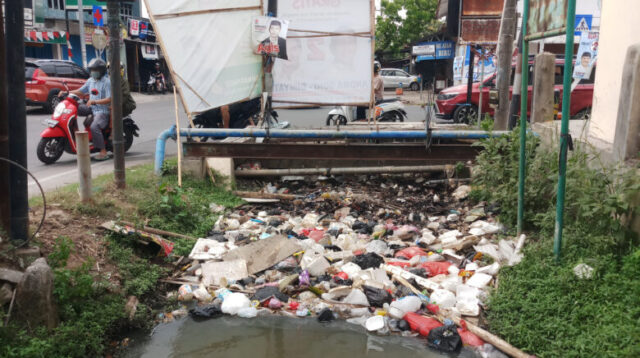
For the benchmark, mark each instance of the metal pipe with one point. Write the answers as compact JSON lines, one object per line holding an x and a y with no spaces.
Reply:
{"x":523,"y":119}
{"x":160,"y":147}
{"x":84,"y":165}
{"x":113,"y":8}
{"x":564,"y":129}
{"x":16,"y":112}
{"x":5,"y":186}
{"x":335,"y":134}
{"x":346,"y":170}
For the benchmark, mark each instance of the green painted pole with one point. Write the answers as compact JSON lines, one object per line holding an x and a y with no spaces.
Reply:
{"x":523,"y":116}
{"x":564,"y":128}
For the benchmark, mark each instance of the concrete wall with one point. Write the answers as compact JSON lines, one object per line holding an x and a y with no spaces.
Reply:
{"x":618,"y":30}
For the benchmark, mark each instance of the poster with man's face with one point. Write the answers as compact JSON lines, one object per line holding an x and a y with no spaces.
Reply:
{"x":587,"y":54}
{"x":270,"y":36}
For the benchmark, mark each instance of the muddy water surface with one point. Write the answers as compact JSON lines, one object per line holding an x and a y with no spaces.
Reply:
{"x":274,"y":337}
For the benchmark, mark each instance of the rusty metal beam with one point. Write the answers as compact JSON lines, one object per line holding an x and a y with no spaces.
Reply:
{"x":438,"y":153}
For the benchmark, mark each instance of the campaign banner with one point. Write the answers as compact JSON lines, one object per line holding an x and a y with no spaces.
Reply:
{"x":269,"y":36}
{"x":329,"y":53}
{"x":587,"y":55}
{"x":458,"y":67}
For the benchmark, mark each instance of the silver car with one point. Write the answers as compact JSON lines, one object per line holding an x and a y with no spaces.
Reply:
{"x":395,"y":78}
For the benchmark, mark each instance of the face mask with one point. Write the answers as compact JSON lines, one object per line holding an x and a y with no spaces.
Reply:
{"x":95,"y":75}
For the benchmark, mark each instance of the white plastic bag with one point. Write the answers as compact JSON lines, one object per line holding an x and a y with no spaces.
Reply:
{"x":234,"y":302}
{"x":443,"y":298}
{"x":404,"y":305}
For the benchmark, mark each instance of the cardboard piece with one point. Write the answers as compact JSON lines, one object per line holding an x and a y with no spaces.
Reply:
{"x":262,"y":254}
{"x":214,"y":271}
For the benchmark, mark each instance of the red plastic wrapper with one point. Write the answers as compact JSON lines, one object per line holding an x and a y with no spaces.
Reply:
{"x":341,"y":275}
{"x":468,"y":338}
{"x":410,"y":252}
{"x":435,"y":268}
{"x":293,"y":305}
{"x":316,"y":235}
{"x":421,"y":324}
{"x":433,"y":308}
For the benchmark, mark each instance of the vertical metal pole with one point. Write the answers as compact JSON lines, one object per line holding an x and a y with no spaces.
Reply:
{"x":83,"y":45}
{"x":470,"y":74}
{"x":84,"y":165}
{"x":523,"y":117}
{"x":14,"y":40}
{"x":113,"y":8}
{"x":564,"y":128}
{"x":481,"y":88}
{"x":5,"y":187}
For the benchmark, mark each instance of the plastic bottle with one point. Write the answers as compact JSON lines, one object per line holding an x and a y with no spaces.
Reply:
{"x":403,"y":306}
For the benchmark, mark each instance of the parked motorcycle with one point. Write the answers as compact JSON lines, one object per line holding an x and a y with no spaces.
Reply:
{"x":60,"y":135}
{"x":241,"y":115}
{"x":391,"y":110}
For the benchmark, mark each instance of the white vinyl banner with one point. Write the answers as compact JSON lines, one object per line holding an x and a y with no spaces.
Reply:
{"x":209,"y":49}
{"x":331,"y":63}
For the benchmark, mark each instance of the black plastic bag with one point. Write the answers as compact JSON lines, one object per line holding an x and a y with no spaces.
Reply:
{"x":326,"y":315}
{"x":267,"y":292}
{"x":445,"y":338}
{"x":201,"y":313}
{"x":363,"y":228}
{"x":376,"y":296}
{"x":368,"y":260}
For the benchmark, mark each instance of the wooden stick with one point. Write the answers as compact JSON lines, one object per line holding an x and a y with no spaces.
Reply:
{"x":207,"y":11}
{"x":408,"y":285}
{"x":160,"y":232}
{"x":260,"y":195}
{"x":496,"y":341}
{"x":372,"y":24}
{"x":178,"y":141}
{"x":13,"y":298}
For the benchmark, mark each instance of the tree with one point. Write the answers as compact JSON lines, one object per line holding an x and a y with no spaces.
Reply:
{"x":403,"y":22}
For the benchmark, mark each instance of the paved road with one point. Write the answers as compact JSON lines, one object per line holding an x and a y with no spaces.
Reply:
{"x":153,"y":115}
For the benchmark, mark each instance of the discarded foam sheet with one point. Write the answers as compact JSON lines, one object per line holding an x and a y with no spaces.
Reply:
{"x":208,"y":249}
{"x":262,"y":254}
{"x":214,"y":271}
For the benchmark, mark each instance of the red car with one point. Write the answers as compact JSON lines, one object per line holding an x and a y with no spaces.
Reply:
{"x":43,"y":81}
{"x":451,"y":102}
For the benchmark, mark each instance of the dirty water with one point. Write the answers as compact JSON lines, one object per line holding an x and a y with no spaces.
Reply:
{"x":271,"y":337}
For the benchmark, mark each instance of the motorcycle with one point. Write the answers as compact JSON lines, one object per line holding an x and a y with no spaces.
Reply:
{"x":60,"y":135}
{"x":391,"y":110}
{"x":156,"y":83}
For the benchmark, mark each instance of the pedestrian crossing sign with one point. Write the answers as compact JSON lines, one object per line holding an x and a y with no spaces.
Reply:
{"x":583,"y":23}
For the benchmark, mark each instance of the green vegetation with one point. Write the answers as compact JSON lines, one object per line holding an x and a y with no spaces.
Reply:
{"x":393,"y":32}
{"x":91,"y":305}
{"x":540,"y":306}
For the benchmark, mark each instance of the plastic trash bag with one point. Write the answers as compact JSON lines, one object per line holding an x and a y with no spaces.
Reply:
{"x":200,"y":313}
{"x":234,"y":303}
{"x":445,"y":339}
{"x":368,"y":260}
{"x":268,"y":292}
{"x":377,"y":297}
{"x":326,"y":315}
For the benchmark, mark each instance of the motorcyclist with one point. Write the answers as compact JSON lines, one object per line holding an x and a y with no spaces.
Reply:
{"x":158,"y":77}
{"x":98,"y":86}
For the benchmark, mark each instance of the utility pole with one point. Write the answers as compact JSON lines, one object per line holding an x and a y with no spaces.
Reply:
{"x":113,"y":8}
{"x":83,"y":47}
{"x":16,"y":113}
{"x":505,"y":51}
{"x":470,"y":74}
{"x":5,"y":188}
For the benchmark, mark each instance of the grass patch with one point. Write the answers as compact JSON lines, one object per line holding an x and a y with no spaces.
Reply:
{"x":91,"y":306}
{"x":540,"y":306}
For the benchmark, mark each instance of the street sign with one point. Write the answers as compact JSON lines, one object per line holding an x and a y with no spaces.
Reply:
{"x":425,"y":49}
{"x":98,"y":20}
{"x":99,"y":39}
{"x":546,"y":18}
{"x":583,"y":23}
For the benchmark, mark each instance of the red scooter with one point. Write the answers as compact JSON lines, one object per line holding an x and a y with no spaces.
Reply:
{"x":61,"y":135}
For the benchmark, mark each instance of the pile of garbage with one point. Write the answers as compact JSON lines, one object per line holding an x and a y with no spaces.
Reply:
{"x":395,"y":255}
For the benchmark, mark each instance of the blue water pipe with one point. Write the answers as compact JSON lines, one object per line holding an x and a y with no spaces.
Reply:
{"x":312,"y":134}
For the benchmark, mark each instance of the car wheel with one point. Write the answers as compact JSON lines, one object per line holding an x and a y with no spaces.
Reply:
{"x":415,"y":86}
{"x":465,"y":114}
{"x":584,"y":115}
{"x":335,"y":120}
{"x":52,"y":101}
{"x":50,"y":149}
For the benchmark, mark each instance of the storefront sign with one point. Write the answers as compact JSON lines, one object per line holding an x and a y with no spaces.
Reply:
{"x":442,"y":50}
{"x":428,"y":49}
{"x":134,"y":27}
